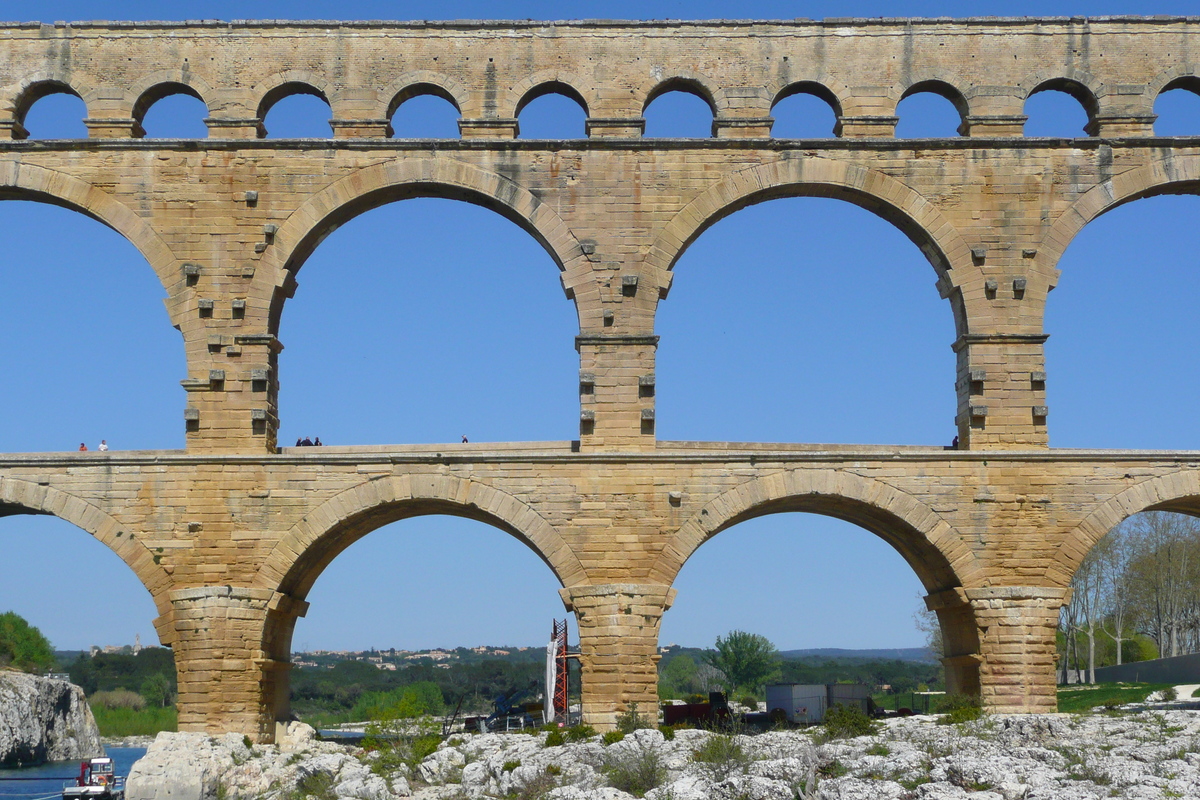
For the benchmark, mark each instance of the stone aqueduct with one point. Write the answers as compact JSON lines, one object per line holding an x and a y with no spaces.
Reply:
{"x":229,"y":535}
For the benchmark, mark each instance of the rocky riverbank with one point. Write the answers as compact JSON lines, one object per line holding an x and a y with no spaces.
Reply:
{"x":1133,"y":754}
{"x":44,"y":720}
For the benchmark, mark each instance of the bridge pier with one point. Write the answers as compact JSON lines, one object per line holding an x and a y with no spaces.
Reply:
{"x":226,"y":681}
{"x":618,"y":643}
{"x":1017,"y":626}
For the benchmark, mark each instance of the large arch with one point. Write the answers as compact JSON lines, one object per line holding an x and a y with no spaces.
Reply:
{"x":402,"y":179}
{"x":1178,"y":491}
{"x":887,"y":197}
{"x":299,"y":557}
{"x":23,"y":497}
{"x":941,"y":559}
{"x":28,"y":182}
{"x":1167,"y":174}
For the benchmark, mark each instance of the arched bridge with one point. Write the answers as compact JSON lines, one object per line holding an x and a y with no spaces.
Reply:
{"x":230,"y":534}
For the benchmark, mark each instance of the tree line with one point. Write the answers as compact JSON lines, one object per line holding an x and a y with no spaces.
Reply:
{"x":1135,"y":596}
{"x":742,"y":664}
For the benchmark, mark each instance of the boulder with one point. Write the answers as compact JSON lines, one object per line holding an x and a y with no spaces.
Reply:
{"x":42,"y":720}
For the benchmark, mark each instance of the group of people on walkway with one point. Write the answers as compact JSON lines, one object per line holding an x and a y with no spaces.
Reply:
{"x":307,"y":442}
{"x":103,"y":447}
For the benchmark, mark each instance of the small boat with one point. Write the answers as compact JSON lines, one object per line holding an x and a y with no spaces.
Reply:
{"x":96,"y":781}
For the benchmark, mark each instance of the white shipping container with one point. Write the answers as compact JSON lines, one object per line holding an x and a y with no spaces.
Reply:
{"x":804,"y":704}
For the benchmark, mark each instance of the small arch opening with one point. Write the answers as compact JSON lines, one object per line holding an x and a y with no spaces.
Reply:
{"x":1060,"y":108}
{"x":295,"y":111}
{"x":679,"y":109}
{"x":52,"y":110}
{"x":805,"y":110}
{"x":931,"y":110}
{"x":1178,"y":108}
{"x":552,"y":110}
{"x":171,"y":111}
{"x":424,"y":111}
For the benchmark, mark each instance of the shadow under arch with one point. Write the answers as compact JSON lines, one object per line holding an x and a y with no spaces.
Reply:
{"x":1178,"y":492}
{"x":29,"y":182}
{"x":945,"y":90}
{"x":33,"y":89}
{"x":544,"y":84}
{"x":22,"y":497}
{"x":815,"y":89}
{"x":1167,"y":174}
{"x":156,"y":92}
{"x":687,"y":83}
{"x":873,"y":191}
{"x":405,"y":179}
{"x":1078,"y":85}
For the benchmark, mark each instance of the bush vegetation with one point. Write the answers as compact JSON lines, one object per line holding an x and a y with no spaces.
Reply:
{"x":956,"y":708}
{"x":132,"y":722}
{"x":22,"y":646}
{"x":635,"y":770}
{"x":848,"y":722}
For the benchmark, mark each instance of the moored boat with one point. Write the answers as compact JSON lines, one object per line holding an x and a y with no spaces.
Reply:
{"x":97,"y":781}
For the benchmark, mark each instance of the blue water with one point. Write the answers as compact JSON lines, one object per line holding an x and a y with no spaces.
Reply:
{"x":51,"y":777}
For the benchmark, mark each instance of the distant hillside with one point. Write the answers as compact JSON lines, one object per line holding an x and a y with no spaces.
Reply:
{"x":899,"y":654}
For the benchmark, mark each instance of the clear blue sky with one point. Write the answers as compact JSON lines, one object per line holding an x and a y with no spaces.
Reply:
{"x":89,"y":354}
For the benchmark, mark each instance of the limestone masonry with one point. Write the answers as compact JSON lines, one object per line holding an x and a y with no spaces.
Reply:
{"x":229,"y":535}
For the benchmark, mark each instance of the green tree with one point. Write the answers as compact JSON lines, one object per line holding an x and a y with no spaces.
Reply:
{"x":156,"y":689}
{"x":22,"y":645}
{"x":679,"y":677}
{"x":748,"y":660}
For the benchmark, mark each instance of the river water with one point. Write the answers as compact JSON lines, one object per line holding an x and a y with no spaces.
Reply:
{"x":49,"y":778}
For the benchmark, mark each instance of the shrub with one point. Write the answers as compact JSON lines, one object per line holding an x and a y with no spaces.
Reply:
{"x":536,"y":787}
{"x":749,"y":701}
{"x":668,"y":732}
{"x":957,"y":708}
{"x":509,"y":766}
{"x":632,"y":721}
{"x":847,"y":722}
{"x":554,"y":738}
{"x":118,"y":698}
{"x":720,"y":756}
{"x":317,"y":785}
{"x":635,"y":770}
{"x":580,"y":733}
{"x":612,"y":737}
{"x":1169,"y":695}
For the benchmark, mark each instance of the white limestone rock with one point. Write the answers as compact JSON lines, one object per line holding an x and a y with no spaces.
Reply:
{"x":44,"y":720}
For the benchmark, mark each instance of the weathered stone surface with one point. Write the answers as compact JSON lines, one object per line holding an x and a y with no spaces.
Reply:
{"x":1145,"y":754}
{"x":229,"y":536}
{"x":44,"y":720}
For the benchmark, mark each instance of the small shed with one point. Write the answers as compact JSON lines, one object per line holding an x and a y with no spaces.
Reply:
{"x":806,"y":703}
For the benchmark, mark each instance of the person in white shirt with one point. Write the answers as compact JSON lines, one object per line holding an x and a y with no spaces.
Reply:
{"x":103,"y":445}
